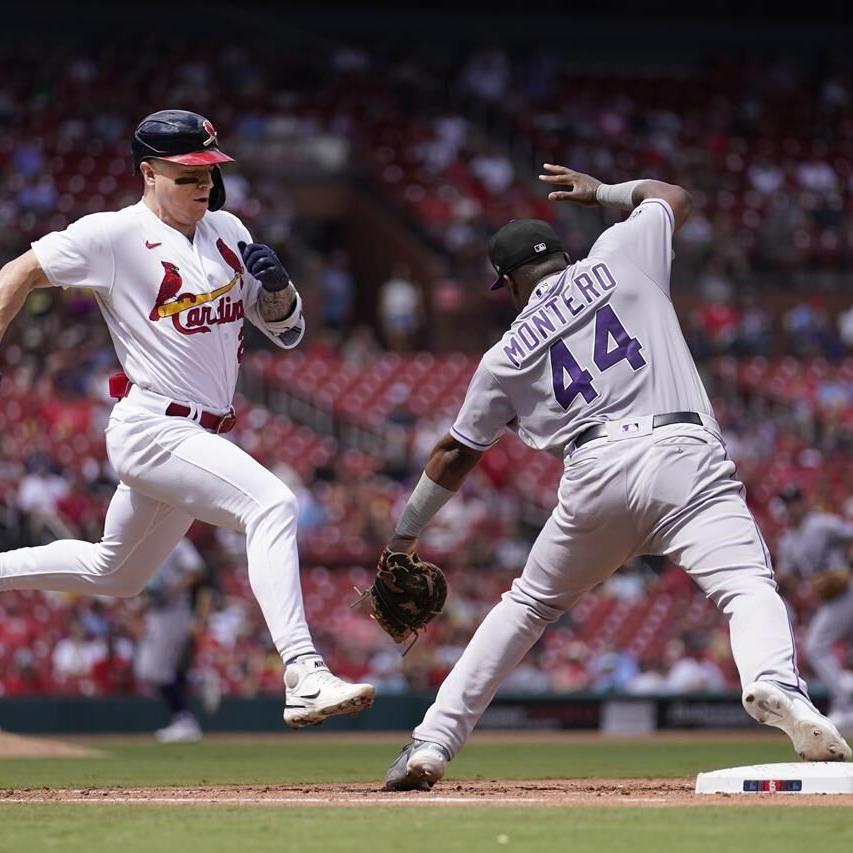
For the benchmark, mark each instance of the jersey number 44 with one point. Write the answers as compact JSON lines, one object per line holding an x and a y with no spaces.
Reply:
{"x":563,"y":363}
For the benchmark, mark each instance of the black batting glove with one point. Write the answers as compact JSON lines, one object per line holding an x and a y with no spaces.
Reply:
{"x":263,"y":263}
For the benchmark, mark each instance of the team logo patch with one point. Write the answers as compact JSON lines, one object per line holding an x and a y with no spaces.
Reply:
{"x":200,"y":314}
{"x":210,"y":130}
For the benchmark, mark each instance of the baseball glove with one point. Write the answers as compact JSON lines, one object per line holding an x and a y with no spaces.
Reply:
{"x":830,"y":584}
{"x":408,"y":592}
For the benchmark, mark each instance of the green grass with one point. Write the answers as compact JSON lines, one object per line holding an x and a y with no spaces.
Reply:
{"x":405,"y":829}
{"x":289,"y":760}
{"x":695,"y":829}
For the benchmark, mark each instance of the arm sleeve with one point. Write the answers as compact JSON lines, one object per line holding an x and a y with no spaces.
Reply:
{"x":485,"y":412}
{"x":285,"y":333}
{"x":643,"y":240}
{"x":79,"y":256}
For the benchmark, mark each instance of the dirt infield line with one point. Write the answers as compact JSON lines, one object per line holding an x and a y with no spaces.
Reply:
{"x":549,"y":793}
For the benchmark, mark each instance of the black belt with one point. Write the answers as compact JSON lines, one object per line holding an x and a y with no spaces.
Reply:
{"x":657,"y":421}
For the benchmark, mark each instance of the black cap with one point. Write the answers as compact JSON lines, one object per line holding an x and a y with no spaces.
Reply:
{"x":177,"y":135}
{"x":790,"y":494}
{"x":518,"y":243}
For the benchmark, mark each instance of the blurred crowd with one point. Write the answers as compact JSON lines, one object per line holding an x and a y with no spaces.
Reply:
{"x":452,"y":140}
{"x":452,"y":143}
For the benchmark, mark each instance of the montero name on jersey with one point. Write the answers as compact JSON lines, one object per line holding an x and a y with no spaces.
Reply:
{"x":531,"y":331}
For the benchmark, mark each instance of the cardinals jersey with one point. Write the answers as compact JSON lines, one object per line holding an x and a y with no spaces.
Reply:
{"x":174,"y":306}
{"x":597,"y":342}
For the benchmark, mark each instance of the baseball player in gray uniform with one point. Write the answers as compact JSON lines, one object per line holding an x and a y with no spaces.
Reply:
{"x":816,"y":546}
{"x":164,"y":650}
{"x":174,"y":276}
{"x":595,"y":364}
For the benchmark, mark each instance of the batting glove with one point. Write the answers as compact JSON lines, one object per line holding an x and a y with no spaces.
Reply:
{"x":263,"y":263}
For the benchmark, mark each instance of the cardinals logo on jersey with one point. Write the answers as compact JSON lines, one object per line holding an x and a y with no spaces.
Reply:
{"x":200,"y":313}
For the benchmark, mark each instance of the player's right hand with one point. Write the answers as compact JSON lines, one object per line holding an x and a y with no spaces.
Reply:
{"x":579,"y":188}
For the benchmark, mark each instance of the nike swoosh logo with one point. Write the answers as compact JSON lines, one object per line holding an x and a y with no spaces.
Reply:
{"x":309,"y":695}
{"x":152,"y":245}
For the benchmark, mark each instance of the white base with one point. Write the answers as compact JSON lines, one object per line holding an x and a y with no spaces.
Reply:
{"x":796,"y":777}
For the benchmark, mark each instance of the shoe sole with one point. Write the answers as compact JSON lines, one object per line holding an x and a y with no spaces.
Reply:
{"x":813,"y":739}
{"x":361,"y":701}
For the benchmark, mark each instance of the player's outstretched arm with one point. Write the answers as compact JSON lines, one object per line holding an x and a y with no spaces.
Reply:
{"x":17,"y":279}
{"x":448,"y":466}
{"x":589,"y":192}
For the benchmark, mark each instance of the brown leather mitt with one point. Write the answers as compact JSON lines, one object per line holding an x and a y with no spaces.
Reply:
{"x":408,"y":592}
{"x":830,"y":584}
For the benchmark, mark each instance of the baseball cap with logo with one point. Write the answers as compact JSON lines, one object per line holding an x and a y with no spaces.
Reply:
{"x":519,"y":242}
{"x":180,"y":136}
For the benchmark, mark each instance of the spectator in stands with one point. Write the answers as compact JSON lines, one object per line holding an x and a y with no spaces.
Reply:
{"x":22,"y":677}
{"x":400,"y":310}
{"x":753,"y":333}
{"x":650,"y":679}
{"x":360,"y":346}
{"x":611,"y":669}
{"x":486,"y":74}
{"x":691,"y":669}
{"x":75,"y":655}
{"x":337,"y":290}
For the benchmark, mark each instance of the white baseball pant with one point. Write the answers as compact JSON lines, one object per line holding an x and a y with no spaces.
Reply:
{"x":173,"y":471}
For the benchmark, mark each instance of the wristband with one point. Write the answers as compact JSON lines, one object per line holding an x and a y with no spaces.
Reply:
{"x":424,"y":502}
{"x":617,"y":195}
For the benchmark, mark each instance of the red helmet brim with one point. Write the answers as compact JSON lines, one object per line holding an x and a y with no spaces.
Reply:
{"x":199,"y":158}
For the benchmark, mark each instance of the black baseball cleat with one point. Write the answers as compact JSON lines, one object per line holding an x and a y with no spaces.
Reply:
{"x":420,"y":764}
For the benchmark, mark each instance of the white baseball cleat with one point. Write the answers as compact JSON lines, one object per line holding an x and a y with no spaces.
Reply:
{"x":312,"y":693}
{"x":420,"y":764}
{"x":184,"y":728}
{"x":814,"y":737}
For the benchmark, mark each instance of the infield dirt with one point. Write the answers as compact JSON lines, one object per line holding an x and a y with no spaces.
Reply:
{"x":557,"y":793}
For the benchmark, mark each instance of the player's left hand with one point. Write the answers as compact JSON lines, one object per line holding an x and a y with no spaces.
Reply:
{"x":579,"y":188}
{"x":263,"y":263}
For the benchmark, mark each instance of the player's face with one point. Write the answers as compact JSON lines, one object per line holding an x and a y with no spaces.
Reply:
{"x":181,"y":193}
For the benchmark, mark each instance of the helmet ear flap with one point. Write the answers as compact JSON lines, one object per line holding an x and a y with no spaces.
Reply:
{"x":217,"y":191}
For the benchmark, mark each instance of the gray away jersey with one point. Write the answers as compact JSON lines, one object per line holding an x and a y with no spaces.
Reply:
{"x":819,"y":544}
{"x":597,"y":342}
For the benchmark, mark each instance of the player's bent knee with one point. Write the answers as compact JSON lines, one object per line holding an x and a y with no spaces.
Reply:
{"x":281,"y":507}
{"x":547,"y":611}
{"x":121,"y":587}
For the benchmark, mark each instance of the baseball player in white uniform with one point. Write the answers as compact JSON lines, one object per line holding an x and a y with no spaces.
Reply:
{"x":595,"y":365}
{"x":163,"y":654}
{"x":816,"y":546}
{"x":174,"y":276}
